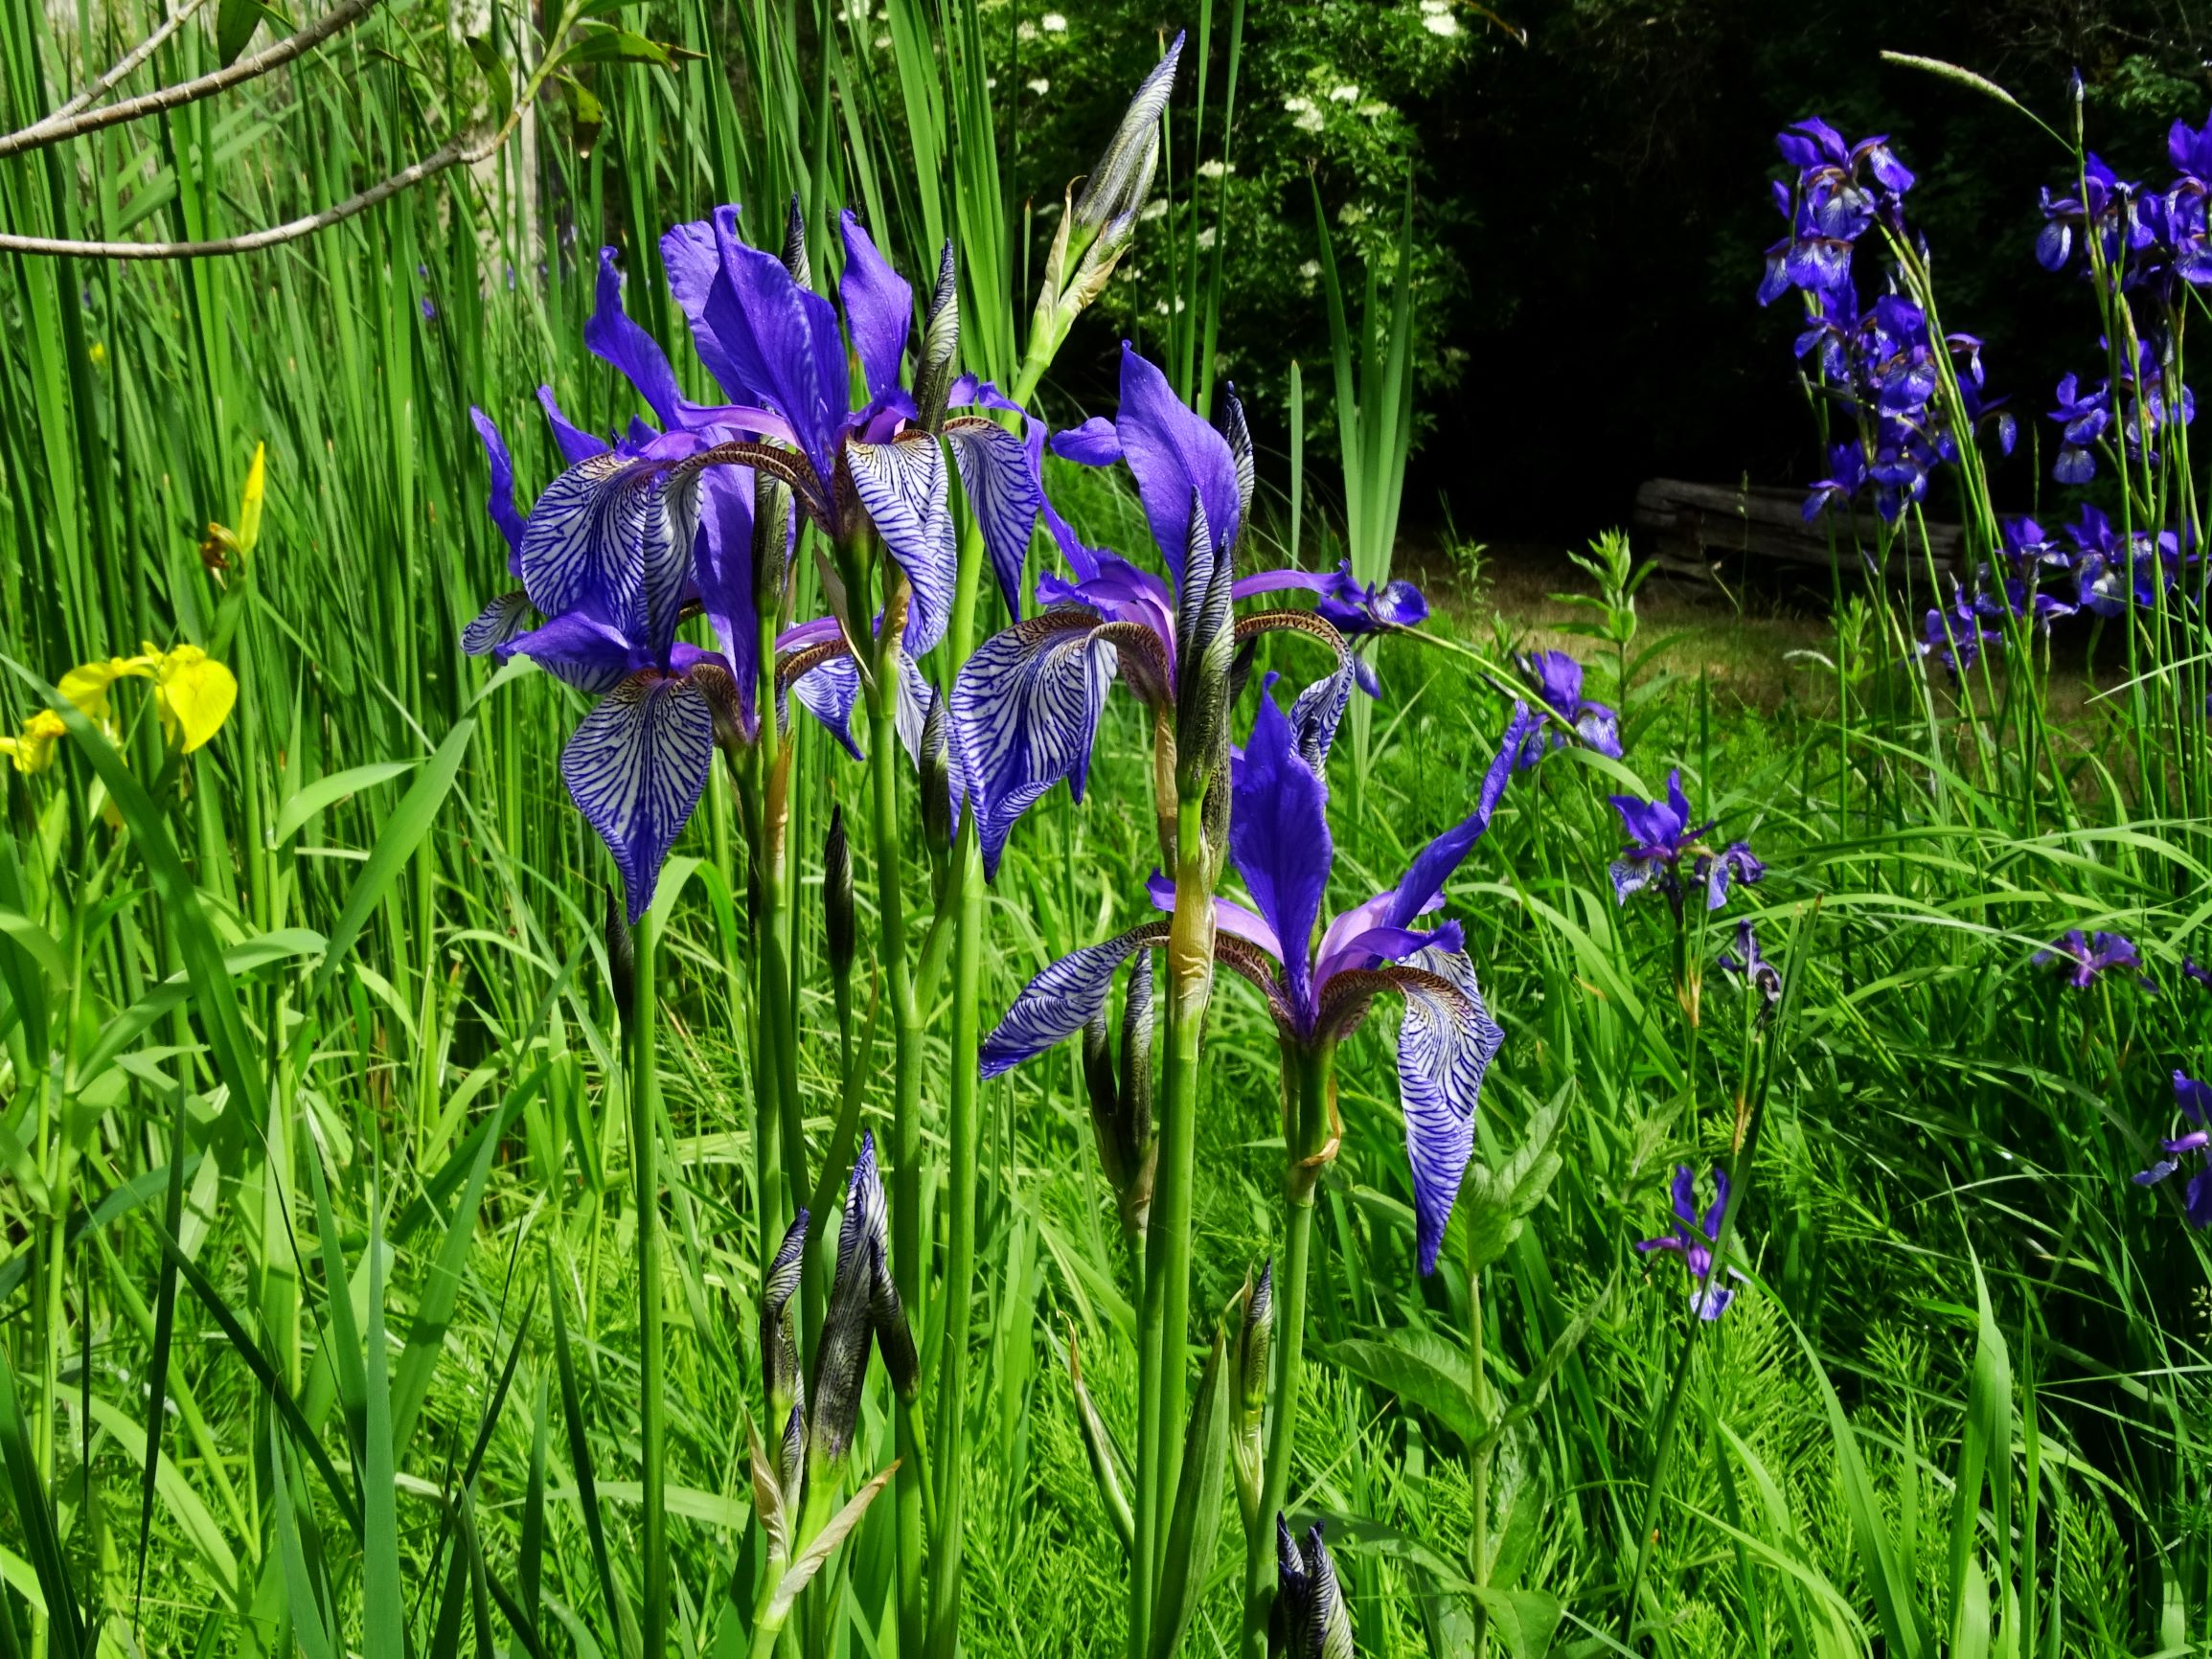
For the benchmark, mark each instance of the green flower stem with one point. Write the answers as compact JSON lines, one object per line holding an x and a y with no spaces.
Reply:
{"x":883,"y":754}
{"x":964,"y":1133}
{"x":1168,"y":1242}
{"x":644,"y":1146}
{"x":1310,"y":1085}
{"x":1477,"y":1456}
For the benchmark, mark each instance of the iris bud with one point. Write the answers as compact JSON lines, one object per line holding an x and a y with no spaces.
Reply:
{"x":1307,"y":1619}
{"x":1120,"y":1097}
{"x":940,"y":344}
{"x":795,"y":245}
{"x":1255,"y":1340}
{"x":780,"y":1371}
{"x":1117,"y":186}
{"x":864,"y":1304}
{"x":1232,"y":427}
{"x":621,"y":954}
{"x":837,"y":896}
{"x":1205,"y":650}
{"x":936,"y":766}
{"x":771,"y":544}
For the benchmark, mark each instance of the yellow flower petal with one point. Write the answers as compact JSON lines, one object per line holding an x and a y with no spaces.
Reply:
{"x":195,"y":694}
{"x":34,"y":750}
{"x":87,"y":685}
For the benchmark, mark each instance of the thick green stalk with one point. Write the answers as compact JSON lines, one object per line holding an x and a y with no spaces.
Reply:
{"x":883,"y":754}
{"x":1168,"y":1244}
{"x":644,"y":1146}
{"x":1477,"y":1456}
{"x":1310,"y":1078}
{"x":964,"y":1133}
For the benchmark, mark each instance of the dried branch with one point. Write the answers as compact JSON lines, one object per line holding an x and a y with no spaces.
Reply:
{"x":452,"y":155}
{"x":130,"y":59}
{"x":58,"y":126}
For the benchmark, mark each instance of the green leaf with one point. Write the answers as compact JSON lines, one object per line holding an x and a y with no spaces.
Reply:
{"x":302,"y":808}
{"x":1524,"y":1620}
{"x":402,"y":834}
{"x":602,"y":45}
{"x":34,"y":1516}
{"x":384,"y":1601}
{"x":1495,"y":1202}
{"x":434,"y":1306}
{"x":1424,"y":1370}
{"x":234,"y":24}
{"x":809,"y":1561}
{"x":1107,"y":1461}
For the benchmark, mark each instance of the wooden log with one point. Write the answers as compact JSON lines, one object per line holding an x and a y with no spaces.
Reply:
{"x":1695,"y":525}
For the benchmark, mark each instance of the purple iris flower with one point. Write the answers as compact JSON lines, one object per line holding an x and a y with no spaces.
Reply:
{"x":1318,"y":992}
{"x":2081,"y":960}
{"x":1661,"y":839}
{"x":2145,"y":407}
{"x":637,"y":531}
{"x":2107,"y":565}
{"x":1954,"y":635}
{"x":2195,"y":1099}
{"x":2191,"y":969}
{"x":1363,"y":612}
{"x":1841,"y":190}
{"x":1557,"y":680}
{"x":1694,"y":1237}
{"x":2188,"y":205}
{"x":2105,"y":208}
{"x":1025,"y":706}
{"x":1757,"y":975}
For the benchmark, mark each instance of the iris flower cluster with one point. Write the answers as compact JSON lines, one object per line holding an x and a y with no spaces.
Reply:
{"x":656,"y":523}
{"x":2195,"y":1099}
{"x":2148,"y":239}
{"x":1880,"y":361}
{"x":1666,"y":848}
{"x":2090,"y":416}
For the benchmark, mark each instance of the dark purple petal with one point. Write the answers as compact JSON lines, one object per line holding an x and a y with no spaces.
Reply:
{"x":573,"y":442}
{"x":1279,"y":838}
{"x":1432,"y":866}
{"x":1094,"y":443}
{"x":902,"y":486}
{"x":612,"y":337}
{"x":878,"y":308}
{"x":829,"y":691}
{"x":1445,"y":1047}
{"x":1062,"y":999}
{"x":2194,"y":1098}
{"x":1174,"y":453}
{"x":582,"y":650}
{"x":500,"y":502}
{"x":2196,"y":1199}
{"x":1025,"y":710}
{"x":723,"y":569}
{"x":1319,"y":709}
{"x":691,"y":256}
{"x":635,"y":768}
{"x":782,"y":342}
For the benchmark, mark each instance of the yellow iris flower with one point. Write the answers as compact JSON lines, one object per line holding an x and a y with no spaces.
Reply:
{"x":193,"y":692}
{"x":31,"y":750}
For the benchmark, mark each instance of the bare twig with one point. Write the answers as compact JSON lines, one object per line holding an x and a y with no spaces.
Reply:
{"x":57,"y":127}
{"x":451,"y":155}
{"x":129,"y":60}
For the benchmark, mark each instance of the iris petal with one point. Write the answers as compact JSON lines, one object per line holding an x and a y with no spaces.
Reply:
{"x":1025,"y":711}
{"x":902,"y":486}
{"x":610,"y":538}
{"x":614,"y":338}
{"x":635,"y":768}
{"x":1445,"y":1047}
{"x":998,"y":473}
{"x":497,"y":623}
{"x":500,"y":502}
{"x":579,"y":650}
{"x":1432,"y":866}
{"x":1058,"y":1002}
{"x":1279,"y":837}
{"x":879,"y":308}
{"x":1172,"y":453}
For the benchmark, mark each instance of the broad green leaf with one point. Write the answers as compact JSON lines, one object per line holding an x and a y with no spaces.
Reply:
{"x":1523,"y":1619}
{"x":303,"y":807}
{"x":1495,"y":1202}
{"x":1424,"y":1370}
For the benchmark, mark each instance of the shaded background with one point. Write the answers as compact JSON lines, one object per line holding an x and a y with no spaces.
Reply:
{"x":1591,"y":209}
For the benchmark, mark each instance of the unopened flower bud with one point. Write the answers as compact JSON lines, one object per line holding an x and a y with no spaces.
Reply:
{"x":795,"y":245}
{"x":621,"y":955}
{"x":771,"y":544}
{"x":864,"y":1305}
{"x":1307,"y":1619}
{"x":1120,"y":1097}
{"x":1117,"y":186}
{"x":837,"y":896}
{"x":1232,"y":425}
{"x":782,"y":1378}
{"x":940,"y":344}
{"x":1248,"y":1409}
{"x":936,"y":766}
{"x":1205,"y":649}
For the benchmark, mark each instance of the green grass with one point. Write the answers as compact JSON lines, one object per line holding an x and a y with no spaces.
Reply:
{"x":335,"y":1124}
